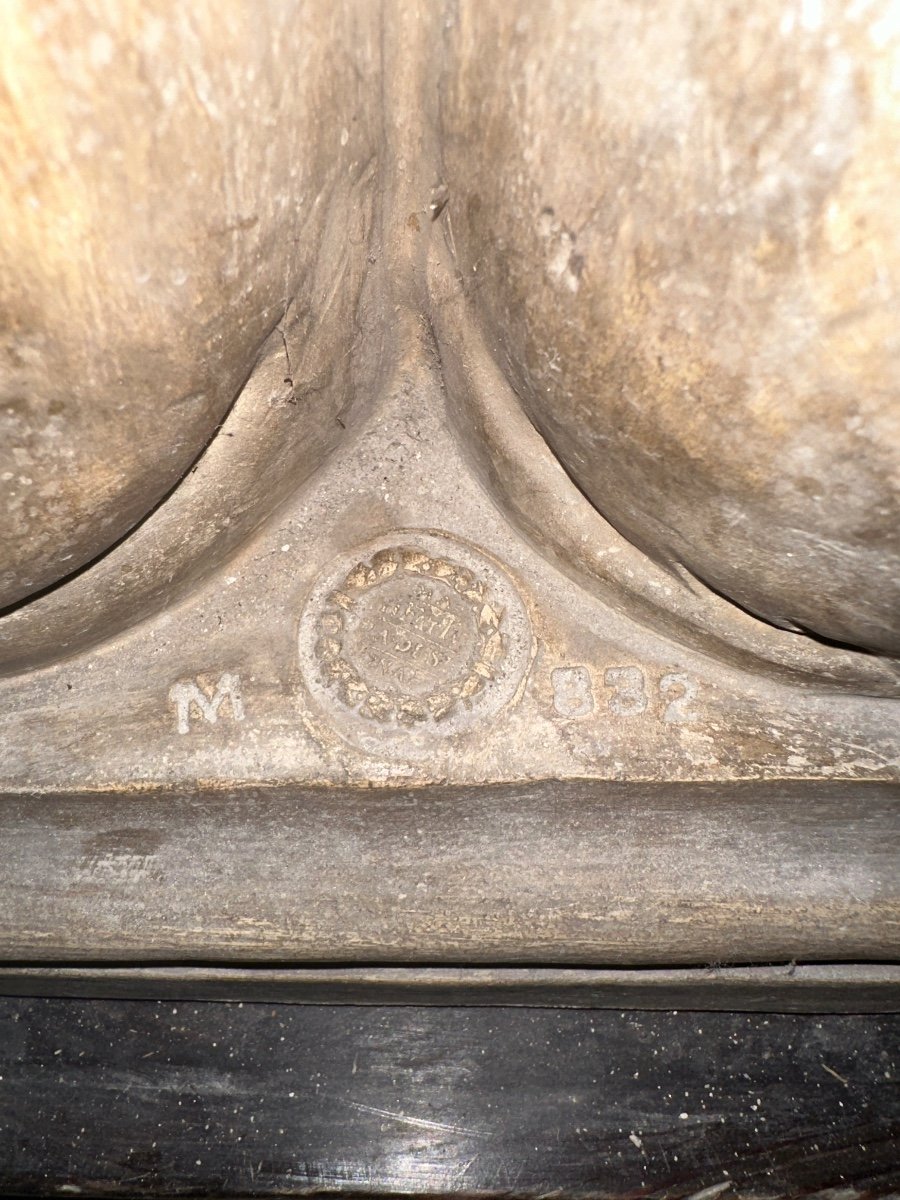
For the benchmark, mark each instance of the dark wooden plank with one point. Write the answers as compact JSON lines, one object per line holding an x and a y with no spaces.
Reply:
{"x":577,"y":873}
{"x":151,"y":1099}
{"x":841,"y":987}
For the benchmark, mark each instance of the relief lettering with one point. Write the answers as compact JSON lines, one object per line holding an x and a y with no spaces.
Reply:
{"x":572,"y":695}
{"x":678,"y":690}
{"x":192,"y":700}
{"x":629,"y":696}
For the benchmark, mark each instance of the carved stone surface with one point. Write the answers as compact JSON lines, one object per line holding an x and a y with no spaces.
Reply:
{"x":542,"y":366}
{"x":424,"y":639}
{"x":173,"y":185}
{"x":679,"y":234}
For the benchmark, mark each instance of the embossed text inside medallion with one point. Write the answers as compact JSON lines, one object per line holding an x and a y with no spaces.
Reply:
{"x":417,"y":635}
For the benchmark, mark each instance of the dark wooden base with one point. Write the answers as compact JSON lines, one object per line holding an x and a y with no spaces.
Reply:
{"x":840,"y":987}
{"x":141,"y":1098}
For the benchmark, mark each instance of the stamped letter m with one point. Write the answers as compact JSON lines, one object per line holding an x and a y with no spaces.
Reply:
{"x":192,"y":699}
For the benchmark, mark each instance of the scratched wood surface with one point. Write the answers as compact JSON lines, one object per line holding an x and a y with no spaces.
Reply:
{"x":147,"y":1098}
{"x":550,"y":873}
{"x":777,"y":988}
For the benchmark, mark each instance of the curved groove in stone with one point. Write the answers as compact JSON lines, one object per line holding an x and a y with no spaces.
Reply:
{"x":533,"y":487}
{"x":256,"y":458}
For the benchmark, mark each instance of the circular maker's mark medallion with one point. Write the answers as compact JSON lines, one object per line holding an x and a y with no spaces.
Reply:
{"x":417,"y":635}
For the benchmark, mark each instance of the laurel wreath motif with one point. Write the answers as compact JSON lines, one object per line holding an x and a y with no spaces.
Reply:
{"x":378,"y":704}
